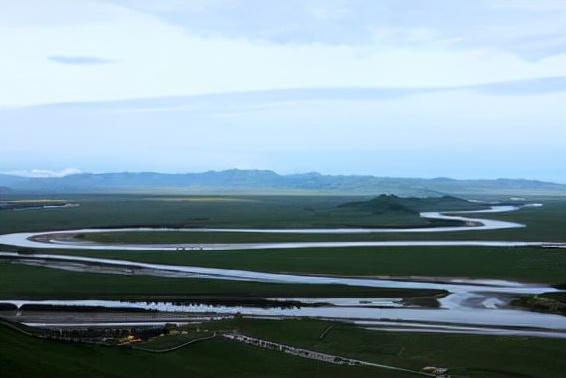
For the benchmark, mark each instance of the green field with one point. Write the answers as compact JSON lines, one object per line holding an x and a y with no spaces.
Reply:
{"x":251,"y":211}
{"x":28,"y":204}
{"x":215,"y":358}
{"x":545,"y":223}
{"x":20,"y":281}
{"x":464,"y":355}
{"x":537,"y":265}
{"x":163,"y":343}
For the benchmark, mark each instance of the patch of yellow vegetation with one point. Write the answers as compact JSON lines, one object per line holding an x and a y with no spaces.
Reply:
{"x":37,"y":201}
{"x":202,"y":199}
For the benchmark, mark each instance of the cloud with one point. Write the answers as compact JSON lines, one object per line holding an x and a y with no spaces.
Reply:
{"x":78,"y":59}
{"x":45,"y":172}
{"x":531,"y":30}
{"x":218,"y":46}
{"x":524,"y":87}
{"x":264,"y":99}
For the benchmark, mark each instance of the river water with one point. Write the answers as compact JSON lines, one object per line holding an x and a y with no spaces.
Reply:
{"x":471,"y":306}
{"x":62,"y":239}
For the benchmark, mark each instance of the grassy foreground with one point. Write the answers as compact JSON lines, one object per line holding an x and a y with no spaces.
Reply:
{"x":464,"y":355}
{"x":214,"y":358}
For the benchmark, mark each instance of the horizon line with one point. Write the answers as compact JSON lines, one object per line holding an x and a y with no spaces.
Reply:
{"x":46,"y":174}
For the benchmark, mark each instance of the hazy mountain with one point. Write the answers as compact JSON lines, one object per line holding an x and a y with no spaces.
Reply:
{"x":4,"y":189}
{"x":265,"y":181}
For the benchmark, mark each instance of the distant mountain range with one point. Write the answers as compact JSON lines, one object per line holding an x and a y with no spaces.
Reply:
{"x":237,"y":181}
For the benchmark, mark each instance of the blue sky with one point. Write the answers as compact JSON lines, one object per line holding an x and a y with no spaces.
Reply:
{"x":412,"y":88}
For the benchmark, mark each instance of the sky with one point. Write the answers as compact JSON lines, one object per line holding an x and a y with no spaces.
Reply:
{"x":414,"y":88}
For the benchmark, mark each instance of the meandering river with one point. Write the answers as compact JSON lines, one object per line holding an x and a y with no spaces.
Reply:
{"x":65,"y":239}
{"x":471,"y":306}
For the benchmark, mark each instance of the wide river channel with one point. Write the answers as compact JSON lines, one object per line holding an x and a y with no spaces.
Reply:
{"x":470,"y":306}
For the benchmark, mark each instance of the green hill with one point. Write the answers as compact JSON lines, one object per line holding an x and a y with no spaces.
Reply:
{"x":385,"y":203}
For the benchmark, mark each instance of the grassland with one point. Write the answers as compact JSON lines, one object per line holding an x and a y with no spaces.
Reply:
{"x":525,"y":264}
{"x":20,"y":281}
{"x":30,"y":204}
{"x":464,"y":355}
{"x":254,"y":211}
{"x":163,"y":343}
{"x":467,"y":355}
{"x":214,"y":358}
{"x":473,"y":356}
{"x":522,"y":264}
{"x":545,"y":223}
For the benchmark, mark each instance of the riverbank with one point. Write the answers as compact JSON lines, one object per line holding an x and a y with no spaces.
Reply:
{"x":472,"y":306}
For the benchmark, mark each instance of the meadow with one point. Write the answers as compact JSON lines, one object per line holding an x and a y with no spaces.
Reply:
{"x":30,"y":282}
{"x":546,"y":223}
{"x":465,"y":355}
